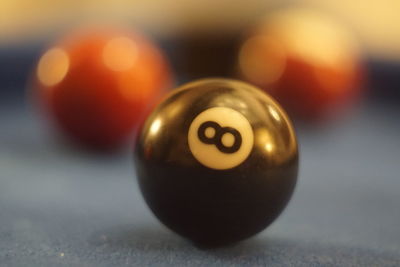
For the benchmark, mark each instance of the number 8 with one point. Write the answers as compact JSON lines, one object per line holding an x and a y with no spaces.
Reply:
{"x":217,"y":138}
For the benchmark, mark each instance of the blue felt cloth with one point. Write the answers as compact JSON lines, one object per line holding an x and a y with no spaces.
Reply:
{"x":62,"y":207}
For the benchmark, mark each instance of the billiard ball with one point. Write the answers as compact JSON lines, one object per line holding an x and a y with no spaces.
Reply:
{"x":217,"y":161}
{"x":203,"y":55}
{"x":306,"y":60}
{"x":207,"y":35}
{"x":96,"y":84}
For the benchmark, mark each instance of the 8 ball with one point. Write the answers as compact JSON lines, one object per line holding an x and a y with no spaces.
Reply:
{"x":217,"y":161}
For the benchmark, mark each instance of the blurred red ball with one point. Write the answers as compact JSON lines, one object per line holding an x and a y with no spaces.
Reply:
{"x":309,"y":63}
{"x":96,"y":85}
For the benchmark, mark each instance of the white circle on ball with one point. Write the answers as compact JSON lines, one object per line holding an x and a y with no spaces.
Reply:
{"x":227,"y":120}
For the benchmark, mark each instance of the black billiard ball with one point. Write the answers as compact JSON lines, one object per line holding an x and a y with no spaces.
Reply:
{"x":217,"y":161}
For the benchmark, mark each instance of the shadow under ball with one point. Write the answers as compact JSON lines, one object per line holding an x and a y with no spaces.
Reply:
{"x":217,"y":161}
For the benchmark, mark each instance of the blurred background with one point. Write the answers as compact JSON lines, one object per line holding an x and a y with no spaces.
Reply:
{"x":64,"y":206}
{"x":27,"y":27}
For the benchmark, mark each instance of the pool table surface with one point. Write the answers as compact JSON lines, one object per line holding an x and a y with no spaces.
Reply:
{"x":63,"y":206}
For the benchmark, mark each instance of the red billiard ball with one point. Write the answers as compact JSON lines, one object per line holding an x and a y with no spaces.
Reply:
{"x":309,"y":63}
{"x":96,"y":85}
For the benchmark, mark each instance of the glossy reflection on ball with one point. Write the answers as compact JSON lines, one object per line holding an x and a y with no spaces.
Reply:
{"x":217,"y":161}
